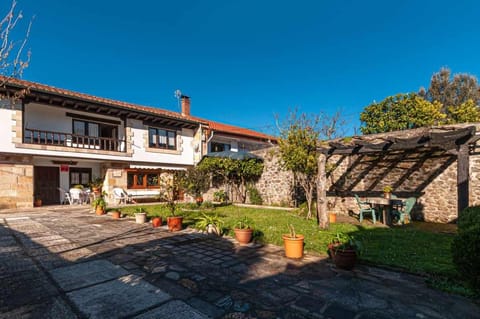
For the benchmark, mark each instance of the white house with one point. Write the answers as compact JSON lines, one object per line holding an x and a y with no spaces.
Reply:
{"x":53,"y":139}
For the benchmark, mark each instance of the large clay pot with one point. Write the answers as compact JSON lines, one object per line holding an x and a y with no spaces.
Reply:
{"x":174,"y":223}
{"x":243,"y":236}
{"x":345,"y":258}
{"x":293,"y":246}
{"x":99,"y":210}
{"x":116,"y":214}
{"x":157,"y":221}
{"x":140,"y":218}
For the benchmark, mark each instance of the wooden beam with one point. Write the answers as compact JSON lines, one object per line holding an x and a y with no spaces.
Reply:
{"x":463,"y":172}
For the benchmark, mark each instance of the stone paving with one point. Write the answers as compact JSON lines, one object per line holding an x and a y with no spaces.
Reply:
{"x":64,"y":262}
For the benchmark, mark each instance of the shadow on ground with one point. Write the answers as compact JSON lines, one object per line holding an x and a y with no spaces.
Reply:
{"x":87,"y":266}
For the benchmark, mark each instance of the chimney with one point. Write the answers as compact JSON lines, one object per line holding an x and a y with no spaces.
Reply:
{"x":185,"y":105}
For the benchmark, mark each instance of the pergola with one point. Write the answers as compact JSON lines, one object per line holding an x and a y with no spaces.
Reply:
{"x":454,"y":140}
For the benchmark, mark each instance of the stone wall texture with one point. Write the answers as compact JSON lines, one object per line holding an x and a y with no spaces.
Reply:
{"x":16,"y":183}
{"x":276,"y":184}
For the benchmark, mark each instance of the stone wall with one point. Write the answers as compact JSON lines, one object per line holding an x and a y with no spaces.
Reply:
{"x":16,"y":182}
{"x":275,"y":185}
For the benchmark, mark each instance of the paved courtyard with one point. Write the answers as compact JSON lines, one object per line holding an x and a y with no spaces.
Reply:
{"x":64,"y":262}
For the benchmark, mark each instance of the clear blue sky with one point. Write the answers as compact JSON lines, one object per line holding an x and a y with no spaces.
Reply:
{"x":241,"y":62}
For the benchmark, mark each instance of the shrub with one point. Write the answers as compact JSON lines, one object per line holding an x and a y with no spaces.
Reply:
{"x":466,"y":255}
{"x":220,"y":196}
{"x":469,"y":217}
{"x":254,"y":196}
{"x":207,"y":205}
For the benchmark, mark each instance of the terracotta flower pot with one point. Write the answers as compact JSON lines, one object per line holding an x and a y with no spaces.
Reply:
{"x":293,"y":246}
{"x":37,"y":203}
{"x":387,"y":195}
{"x":174,"y":223}
{"x":345,"y":258}
{"x":332,"y":218}
{"x":243,"y":236}
{"x":331,"y":249}
{"x":199,"y":200}
{"x":157,"y":221}
{"x":116,"y":214}
{"x":100,"y":210}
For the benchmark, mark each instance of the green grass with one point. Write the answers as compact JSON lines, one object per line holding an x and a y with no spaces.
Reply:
{"x":414,"y":248}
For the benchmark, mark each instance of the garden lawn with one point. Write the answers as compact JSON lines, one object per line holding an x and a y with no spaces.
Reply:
{"x":412,"y":247}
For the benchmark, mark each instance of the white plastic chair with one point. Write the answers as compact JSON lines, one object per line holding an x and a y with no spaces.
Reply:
{"x":64,"y":196}
{"x":77,"y":196}
{"x":121,"y":195}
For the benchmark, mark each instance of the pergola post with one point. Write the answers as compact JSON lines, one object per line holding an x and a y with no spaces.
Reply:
{"x":322,"y":215}
{"x":463,"y":172}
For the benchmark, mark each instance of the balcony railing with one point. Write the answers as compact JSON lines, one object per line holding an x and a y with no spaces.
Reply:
{"x":73,"y":140}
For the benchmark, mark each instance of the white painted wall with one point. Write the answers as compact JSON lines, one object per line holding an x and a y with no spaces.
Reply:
{"x":50,"y":118}
{"x":140,"y":137}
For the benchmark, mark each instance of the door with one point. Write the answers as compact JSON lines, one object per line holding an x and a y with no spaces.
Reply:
{"x":46,"y":183}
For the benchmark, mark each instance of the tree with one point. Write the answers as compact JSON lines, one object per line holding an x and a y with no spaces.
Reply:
{"x":452,"y":92}
{"x":236,"y":173}
{"x":463,"y":113}
{"x":13,"y":58}
{"x":400,"y":112}
{"x":299,"y":136}
{"x":195,"y":181}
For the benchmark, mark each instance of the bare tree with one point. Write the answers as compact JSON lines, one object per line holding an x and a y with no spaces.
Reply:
{"x":14,"y":58}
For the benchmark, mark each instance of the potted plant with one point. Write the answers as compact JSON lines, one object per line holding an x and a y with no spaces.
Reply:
{"x":140,"y":215}
{"x":37,"y":201}
{"x":168,"y":188}
{"x":387,"y":191}
{"x":99,"y":205}
{"x":345,"y":252}
{"x":212,"y":224}
{"x":116,"y":214}
{"x":244,"y":230}
{"x":293,"y":243}
{"x":96,"y":185}
{"x":157,"y":221}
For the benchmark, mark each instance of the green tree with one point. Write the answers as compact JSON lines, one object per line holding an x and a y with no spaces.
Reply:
{"x":236,"y":173}
{"x":299,"y":136}
{"x":400,"y":112}
{"x":195,"y":181}
{"x":463,"y":113}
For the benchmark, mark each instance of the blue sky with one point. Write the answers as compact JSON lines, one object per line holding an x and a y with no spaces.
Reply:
{"x":241,"y":62}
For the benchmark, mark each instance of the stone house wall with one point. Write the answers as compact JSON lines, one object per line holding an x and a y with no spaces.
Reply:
{"x":16,"y":182}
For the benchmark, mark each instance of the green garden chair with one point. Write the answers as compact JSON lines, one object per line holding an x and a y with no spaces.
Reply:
{"x":400,"y":214}
{"x":365,"y":207}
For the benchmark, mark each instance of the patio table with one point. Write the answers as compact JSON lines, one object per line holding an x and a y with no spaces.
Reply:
{"x":385,"y":205}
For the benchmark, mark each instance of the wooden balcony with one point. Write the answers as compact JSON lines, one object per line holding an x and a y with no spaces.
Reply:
{"x":32,"y":136}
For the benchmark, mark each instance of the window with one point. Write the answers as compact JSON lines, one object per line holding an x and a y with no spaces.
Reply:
{"x":85,"y":128}
{"x":161,"y":138}
{"x":143,"y":179}
{"x":80,"y":176}
{"x":219,"y":147}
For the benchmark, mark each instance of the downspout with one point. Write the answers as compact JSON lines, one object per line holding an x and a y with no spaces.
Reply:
{"x":209,"y":139}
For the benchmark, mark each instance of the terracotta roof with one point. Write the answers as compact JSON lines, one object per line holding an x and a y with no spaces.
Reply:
{"x":95,"y":99}
{"x":219,"y":127}
{"x":225,"y":128}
